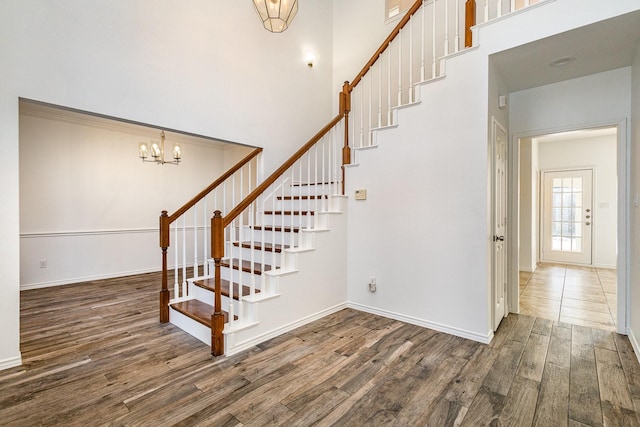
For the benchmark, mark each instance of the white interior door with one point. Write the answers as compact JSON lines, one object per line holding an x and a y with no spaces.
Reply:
{"x":499,"y":273}
{"x":567,"y":215}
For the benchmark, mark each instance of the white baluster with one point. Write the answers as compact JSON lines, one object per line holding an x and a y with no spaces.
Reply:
{"x":422,"y":41}
{"x":370,"y":105}
{"x":232,"y":316}
{"x":315,"y":186}
{"x":184,"y":255}
{"x":205,"y":239}
{"x":400,"y":68}
{"x":379,"y":90}
{"x":456,"y":41}
{"x":361,"y":89}
{"x":324,"y":179}
{"x":498,"y":8}
{"x":389,"y":87}
{"x":446,"y":27}
{"x":433,"y":41}
{"x":196,"y":271}
{"x":527,"y":3}
{"x":176,"y":285}
{"x":513,"y":6}
{"x":315,"y":173}
{"x":411,"y":60}
{"x":486,"y":10}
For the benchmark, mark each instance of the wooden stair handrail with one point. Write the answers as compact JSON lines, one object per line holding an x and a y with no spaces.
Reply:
{"x":191,"y":203}
{"x":405,"y":19}
{"x":240,"y":207}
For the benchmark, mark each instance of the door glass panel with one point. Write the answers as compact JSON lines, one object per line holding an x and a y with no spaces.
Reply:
{"x":566,"y":209}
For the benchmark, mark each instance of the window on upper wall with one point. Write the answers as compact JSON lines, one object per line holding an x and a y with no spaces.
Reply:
{"x":396,"y":7}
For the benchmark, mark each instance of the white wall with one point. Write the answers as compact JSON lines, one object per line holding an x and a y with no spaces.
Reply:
{"x":599,"y":153}
{"x":634,"y":298}
{"x":204,"y":67}
{"x":89,"y":206}
{"x":358,"y":30}
{"x":528,"y":205}
{"x":423,"y":230}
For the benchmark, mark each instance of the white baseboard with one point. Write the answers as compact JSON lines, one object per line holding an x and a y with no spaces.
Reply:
{"x":634,"y":343}
{"x":234,"y":348}
{"x":485,"y":339}
{"x":11,"y":362}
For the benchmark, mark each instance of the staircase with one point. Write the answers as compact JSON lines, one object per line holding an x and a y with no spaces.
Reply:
{"x":274,"y":255}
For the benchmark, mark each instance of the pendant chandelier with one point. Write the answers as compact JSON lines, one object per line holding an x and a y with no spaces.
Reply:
{"x":157,"y":152}
{"x":276,"y":15}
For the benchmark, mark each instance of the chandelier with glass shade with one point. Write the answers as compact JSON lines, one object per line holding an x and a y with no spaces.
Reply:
{"x":156,"y":152}
{"x":276,"y":15}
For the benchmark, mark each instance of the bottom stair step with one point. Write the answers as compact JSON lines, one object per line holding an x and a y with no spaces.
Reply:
{"x":209,"y":284}
{"x":197,"y":310}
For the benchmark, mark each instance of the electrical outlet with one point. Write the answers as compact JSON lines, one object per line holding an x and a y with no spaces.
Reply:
{"x":372,"y":284}
{"x":43,"y":263}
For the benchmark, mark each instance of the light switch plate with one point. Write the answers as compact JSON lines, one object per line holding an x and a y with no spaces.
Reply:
{"x":361,"y":194}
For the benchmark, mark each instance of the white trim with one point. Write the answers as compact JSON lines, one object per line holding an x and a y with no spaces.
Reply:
{"x":71,"y":281}
{"x":10,"y":362}
{"x":190,"y":326}
{"x":462,"y":333}
{"x":623,"y":290}
{"x":233,"y":348}
{"x":634,"y":343}
{"x":77,"y":233}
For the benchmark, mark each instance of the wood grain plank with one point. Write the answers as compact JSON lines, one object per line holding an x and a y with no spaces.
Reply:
{"x":520,"y":404}
{"x":611,"y":378}
{"x":584,"y":396}
{"x":534,"y":356}
{"x":553,"y":400}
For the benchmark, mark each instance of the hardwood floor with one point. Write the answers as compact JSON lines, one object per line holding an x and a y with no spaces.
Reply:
{"x":577,"y":295}
{"x":94,"y":354}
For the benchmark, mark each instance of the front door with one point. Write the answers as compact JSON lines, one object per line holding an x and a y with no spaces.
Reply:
{"x":567,"y":215}
{"x":499,"y":224}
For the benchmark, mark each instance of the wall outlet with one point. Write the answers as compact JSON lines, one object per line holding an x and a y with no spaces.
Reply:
{"x":372,"y":284}
{"x":43,"y":263}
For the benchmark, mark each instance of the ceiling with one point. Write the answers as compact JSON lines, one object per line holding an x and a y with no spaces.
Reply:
{"x":603,"y":46}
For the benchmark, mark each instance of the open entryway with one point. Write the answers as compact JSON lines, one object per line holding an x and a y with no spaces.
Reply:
{"x":568,"y":210}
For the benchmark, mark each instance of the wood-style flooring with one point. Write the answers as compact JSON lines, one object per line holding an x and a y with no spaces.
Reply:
{"x":571,"y":294}
{"x":94,"y":354}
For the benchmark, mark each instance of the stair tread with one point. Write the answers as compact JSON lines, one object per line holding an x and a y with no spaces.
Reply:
{"x":210,"y":285}
{"x":303,"y":184}
{"x":197,"y":310}
{"x":246,"y":266}
{"x":268,"y":247}
{"x":304,"y":212}
{"x":302,"y":197}
{"x":277,"y":228}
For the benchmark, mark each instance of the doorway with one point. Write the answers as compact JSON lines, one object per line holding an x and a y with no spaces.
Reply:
{"x":568,"y":226}
{"x":567,"y":216}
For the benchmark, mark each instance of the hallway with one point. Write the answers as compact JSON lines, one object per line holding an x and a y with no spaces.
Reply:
{"x":577,"y":295}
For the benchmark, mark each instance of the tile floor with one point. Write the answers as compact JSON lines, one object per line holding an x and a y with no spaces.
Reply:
{"x":572,"y":294}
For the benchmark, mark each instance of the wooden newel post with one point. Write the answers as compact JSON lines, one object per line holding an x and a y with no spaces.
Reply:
{"x":470,"y":21}
{"x":217,"y":252}
{"x":345,"y":108}
{"x":164,"y":245}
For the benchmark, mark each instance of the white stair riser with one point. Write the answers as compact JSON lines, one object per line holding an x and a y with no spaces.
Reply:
{"x":286,"y":220}
{"x":258,"y":255}
{"x":239,"y":276}
{"x":304,"y":205}
{"x":274,"y":237}
{"x":316,"y":189}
